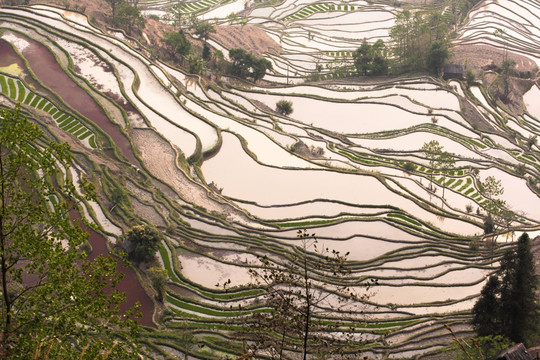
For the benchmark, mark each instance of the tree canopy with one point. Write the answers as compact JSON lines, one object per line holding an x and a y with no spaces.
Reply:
{"x":244,"y":64}
{"x":53,"y":300}
{"x":507,"y":304}
{"x":143,"y":241}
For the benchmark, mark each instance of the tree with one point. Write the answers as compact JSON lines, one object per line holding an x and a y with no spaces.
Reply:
{"x":244,"y":64}
{"x":284,"y":107}
{"x":507,"y":304}
{"x":437,"y":55}
{"x":519,"y":312}
{"x":432,"y":151}
{"x":499,"y":216}
{"x":143,"y":240}
{"x":203,"y":29}
{"x":371,"y":58}
{"x":177,"y":43}
{"x":447,"y":164}
{"x":128,"y":17}
{"x":53,"y":302}
{"x":114,"y":7}
{"x":295,"y":293}
{"x":487,"y":310}
{"x":159,"y":278}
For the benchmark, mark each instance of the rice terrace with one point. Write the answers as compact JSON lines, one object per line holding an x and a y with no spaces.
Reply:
{"x":345,"y":166}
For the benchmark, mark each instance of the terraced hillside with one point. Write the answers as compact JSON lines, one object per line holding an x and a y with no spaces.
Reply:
{"x":228,"y":179}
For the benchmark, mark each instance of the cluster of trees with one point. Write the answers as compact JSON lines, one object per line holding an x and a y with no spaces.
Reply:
{"x":243,"y":64}
{"x":371,"y":59}
{"x":246,"y":65}
{"x":54,"y":302}
{"x":508,"y":305}
{"x":420,"y":40}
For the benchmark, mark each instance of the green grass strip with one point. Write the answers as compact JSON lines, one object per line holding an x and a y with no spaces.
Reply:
{"x":29,"y":98}
{"x":22,"y":91}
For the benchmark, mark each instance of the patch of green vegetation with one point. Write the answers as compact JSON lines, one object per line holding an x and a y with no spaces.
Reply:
{"x":403,"y":217}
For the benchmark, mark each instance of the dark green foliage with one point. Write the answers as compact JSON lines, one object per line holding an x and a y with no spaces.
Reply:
{"x":206,"y":52}
{"x":115,"y":4}
{"x":518,"y":298}
{"x":470,"y":78}
{"x":507,"y":304}
{"x":371,"y":59}
{"x":177,"y":43}
{"x":144,"y":243}
{"x":244,"y":64}
{"x":409,"y":167}
{"x":489,"y":226}
{"x":284,"y":107}
{"x":437,"y":55}
{"x":486,"y":320}
{"x":53,"y":300}
{"x":419,"y":40}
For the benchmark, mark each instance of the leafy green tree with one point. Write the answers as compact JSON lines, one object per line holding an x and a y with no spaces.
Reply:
{"x":53,"y":300}
{"x":197,"y":65}
{"x":244,"y":64}
{"x":298,"y":302}
{"x":470,"y":78}
{"x":177,"y":42}
{"x":371,"y":58}
{"x":129,"y":17}
{"x":143,"y":241}
{"x":363,"y":58}
{"x":284,"y":107}
{"x":507,"y":305}
{"x":437,"y":55}
{"x":203,"y":29}
{"x":432,"y":151}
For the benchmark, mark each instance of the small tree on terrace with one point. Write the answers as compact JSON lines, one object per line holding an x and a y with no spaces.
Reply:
{"x":177,"y":43}
{"x":203,"y":29}
{"x":144,"y":243}
{"x":432,"y":151}
{"x":299,"y":303}
{"x":447,"y":164}
{"x":245,"y":64}
{"x":284,"y":107}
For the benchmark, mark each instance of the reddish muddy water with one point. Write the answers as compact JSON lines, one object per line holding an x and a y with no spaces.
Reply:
{"x":129,"y":284}
{"x":50,"y":73}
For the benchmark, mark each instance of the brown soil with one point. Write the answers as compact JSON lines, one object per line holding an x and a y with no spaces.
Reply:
{"x":152,"y":147}
{"x":248,"y":37}
{"x":476,"y":57}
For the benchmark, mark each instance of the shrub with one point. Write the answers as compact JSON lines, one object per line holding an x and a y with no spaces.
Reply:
{"x":284,"y":107}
